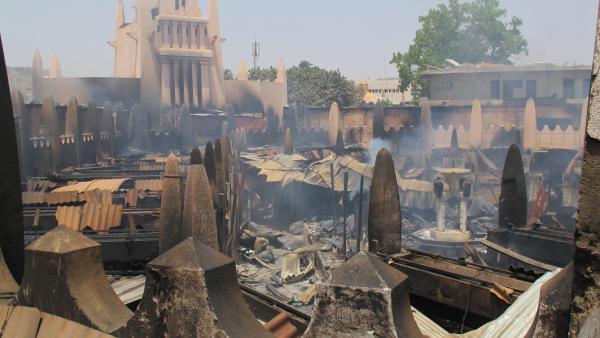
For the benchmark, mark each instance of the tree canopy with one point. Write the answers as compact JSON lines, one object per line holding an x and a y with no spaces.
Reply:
{"x":471,"y":32}
{"x":309,"y":85}
{"x":262,"y":74}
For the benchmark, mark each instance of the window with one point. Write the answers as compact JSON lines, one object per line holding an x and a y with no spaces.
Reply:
{"x":509,"y":87}
{"x":154,"y":13}
{"x":183,"y":3}
{"x":531,"y":88}
{"x":158,"y":28}
{"x":176,"y":4}
{"x":196,"y":33}
{"x":569,"y":88}
{"x":586,"y":88}
{"x":495,"y":90}
{"x":447,"y":85}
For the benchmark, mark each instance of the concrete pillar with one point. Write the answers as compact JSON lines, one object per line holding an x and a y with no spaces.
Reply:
{"x":192,"y":291}
{"x":170,"y":206}
{"x":205,"y":83}
{"x":512,"y":206}
{"x":441,"y":217}
{"x":385,"y":219}
{"x":198,"y":212}
{"x":585,"y":308}
{"x":476,"y":125}
{"x":186,"y":83}
{"x":529,"y":126}
{"x":64,"y":276}
{"x":176,"y":82}
{"x":462,"y":215}
{"x":365,"y":298}
{"x":166,"y":85}
{"x":195,"y":93}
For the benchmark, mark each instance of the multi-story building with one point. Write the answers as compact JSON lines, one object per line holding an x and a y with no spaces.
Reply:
{"x":387,"y":90}
{"x":505,"y":82}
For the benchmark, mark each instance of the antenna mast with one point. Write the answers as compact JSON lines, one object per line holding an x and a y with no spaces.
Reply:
{"x":255,"y":52}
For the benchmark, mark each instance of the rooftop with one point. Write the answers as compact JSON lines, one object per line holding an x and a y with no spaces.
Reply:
{"x":491,"y":67}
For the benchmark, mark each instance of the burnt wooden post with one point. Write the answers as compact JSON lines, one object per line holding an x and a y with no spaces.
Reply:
{"x":332,"y":177}
{"x":11,"y":208}
{"x":365,"y":298}
{"x":360,"y":214}
{"x":345,"y":206}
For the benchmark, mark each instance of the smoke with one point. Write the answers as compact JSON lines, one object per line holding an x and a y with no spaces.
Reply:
{"x":375,"y":146}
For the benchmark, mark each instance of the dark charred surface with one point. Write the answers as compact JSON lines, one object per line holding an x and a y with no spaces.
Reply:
{"x":196,"y":156}
{"x":512,"y":210}
{"x":11,"y":207}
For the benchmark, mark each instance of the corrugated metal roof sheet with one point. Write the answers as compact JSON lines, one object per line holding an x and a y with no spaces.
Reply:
{"x":113,"y":185}
{"x":130,"y":289}
{"x":39,"y":184}
{"x":28,"y":322}
{"x":148,"y":185}
{"x":100,"y":217}
{"x":63,"y":197}
{"x":427,"y":326}
{"x":97,"y":197}
{"x":29,"y":197}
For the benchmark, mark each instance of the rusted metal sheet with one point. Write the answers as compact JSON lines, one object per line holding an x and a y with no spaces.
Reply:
{"x":64,"y":276}
{"x":25,"y":322}
{"x":63,"y":197}
{"x":459,"y":285}
{"x":34,"y":197}
{"x":97,"y":196}
{"x":99,"y":217}
{"x":112,"y":185}
{"x":69,"y":217}
{"x":148,"y":185}
{"x":281,"y":327}
{"x":39,"y":185}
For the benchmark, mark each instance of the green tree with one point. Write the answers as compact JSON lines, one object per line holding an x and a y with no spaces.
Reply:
{"x":228,"y":74}
{"x":471,"y":32}
{"x":309,"y":85}
{"x":262,"y":74}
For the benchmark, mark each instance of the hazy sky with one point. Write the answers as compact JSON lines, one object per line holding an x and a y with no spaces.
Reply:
{"x":358,"y":37}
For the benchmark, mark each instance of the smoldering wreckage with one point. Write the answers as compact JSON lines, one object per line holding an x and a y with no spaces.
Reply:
{"x":308,"y":236}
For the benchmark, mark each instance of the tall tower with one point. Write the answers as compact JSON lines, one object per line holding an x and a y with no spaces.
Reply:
{"x":37,"y":73}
